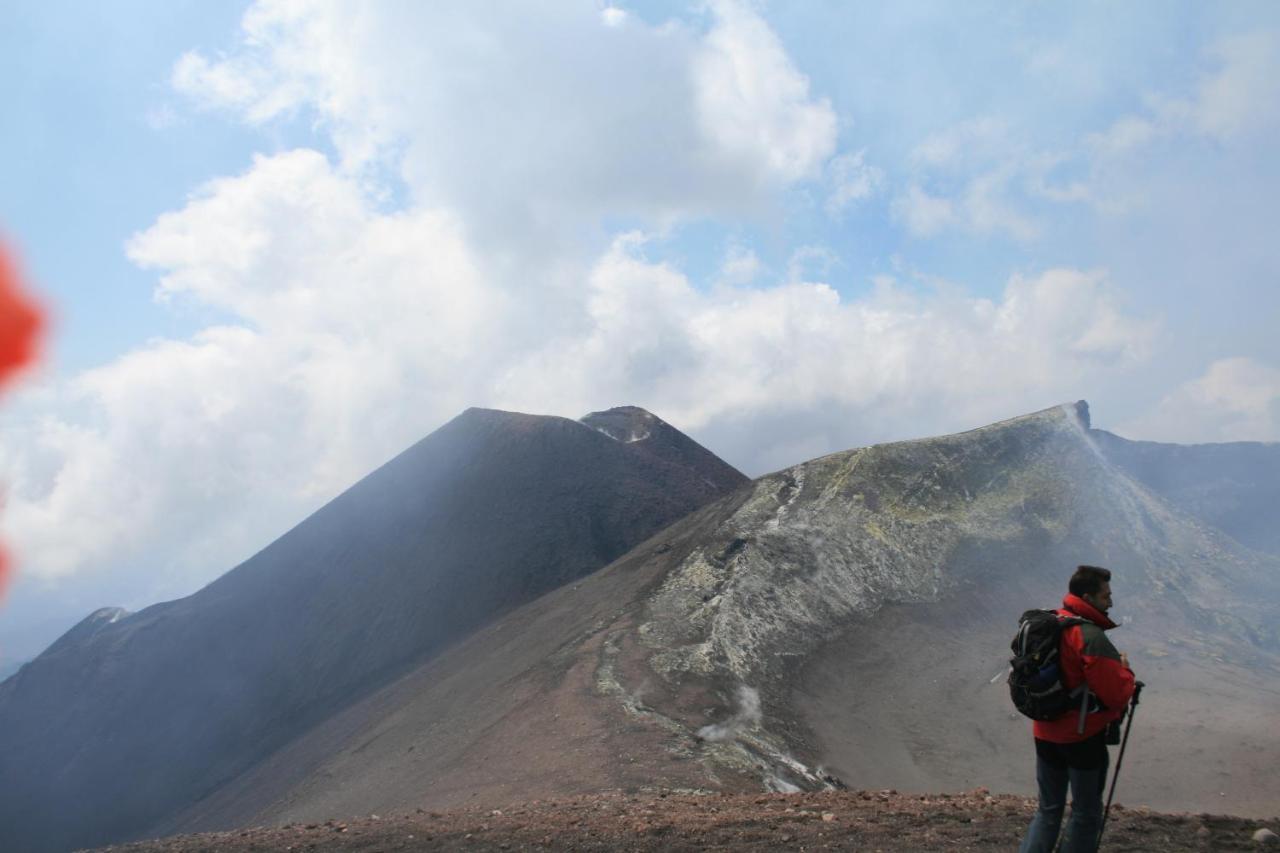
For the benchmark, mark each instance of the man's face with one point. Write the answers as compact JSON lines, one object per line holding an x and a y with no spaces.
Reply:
{"x":1102,"y":598}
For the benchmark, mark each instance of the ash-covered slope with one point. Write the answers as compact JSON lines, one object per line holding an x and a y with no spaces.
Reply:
{"x":867,"y":599}
{"x":849,"y":616}
{"x":128,"y":718}
{"x":1015,"y":504}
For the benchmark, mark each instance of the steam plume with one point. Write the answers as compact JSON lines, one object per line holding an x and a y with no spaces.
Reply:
{"x":747,"y":716}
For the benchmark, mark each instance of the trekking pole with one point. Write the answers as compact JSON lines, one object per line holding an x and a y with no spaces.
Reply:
{"x":1137,"y":691}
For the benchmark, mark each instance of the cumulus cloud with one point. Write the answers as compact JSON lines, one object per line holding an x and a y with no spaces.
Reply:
{"x":851,"y":179}
{"x":923,"y":214}
{"x":989,"y":209}
{"x":813,"y":263}
{"x":979,"y":177}
{"x":985,"y":176}
{"x":613,"y":16}
{"x":538,"y":118}
{"x":740,"y":266}
{"x":985,"y":139}
{"x":352,"y":327}
{"x":698,"y":356}
{"x":354,"y":331}
{"x":1234,"y":98}
{"x":1236,"y":399}
{"x":754,"y":104}
{"x":1239,"y":97}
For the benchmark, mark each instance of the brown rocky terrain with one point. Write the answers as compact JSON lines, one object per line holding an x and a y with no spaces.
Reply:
{"x":680,"y":821}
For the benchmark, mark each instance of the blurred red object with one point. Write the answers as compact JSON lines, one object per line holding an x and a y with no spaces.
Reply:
{"x":21,"y":322}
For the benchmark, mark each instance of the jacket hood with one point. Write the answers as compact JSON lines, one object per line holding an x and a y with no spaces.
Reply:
{"x":1085,"y":610}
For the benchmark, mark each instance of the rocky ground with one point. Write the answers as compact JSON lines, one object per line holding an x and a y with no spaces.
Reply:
{"x":673,"y":821}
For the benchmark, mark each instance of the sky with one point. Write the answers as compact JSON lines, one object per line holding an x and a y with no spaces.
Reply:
{"x":281,"y":241}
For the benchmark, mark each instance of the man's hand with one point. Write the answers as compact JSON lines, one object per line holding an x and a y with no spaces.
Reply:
{"x":1124,"y":661}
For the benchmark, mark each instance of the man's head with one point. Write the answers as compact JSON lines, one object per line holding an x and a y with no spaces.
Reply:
{"x":1093,"y":584}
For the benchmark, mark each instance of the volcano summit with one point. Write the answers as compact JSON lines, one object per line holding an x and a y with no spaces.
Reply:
{"x":847,"y":618}
{"x":487,"y":513}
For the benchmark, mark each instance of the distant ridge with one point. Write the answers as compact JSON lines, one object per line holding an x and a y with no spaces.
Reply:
{"x":847,"y":618}
{"x":1234,"y":486}
{"x":129,"y":717}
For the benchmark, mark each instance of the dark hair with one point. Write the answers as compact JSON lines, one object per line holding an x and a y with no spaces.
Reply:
{"x":1088,"y":580}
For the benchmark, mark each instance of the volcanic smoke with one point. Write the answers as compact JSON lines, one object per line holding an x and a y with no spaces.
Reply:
{"x":21,"y":322}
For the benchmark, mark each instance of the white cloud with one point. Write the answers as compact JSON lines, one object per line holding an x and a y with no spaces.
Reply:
{"x":851,"y":179}
{"x":1127,"y":134}
{"x":924,"y":214}
{"x":1238,"y":97}
{"x":983,"y":176}
{"x":351,"y":330}
{"x":1236,"y":399}
{"x":538,"y":119}
{"x":989,"y":209}
{"x":754,"y":103}
{"x":1184,"y":144}
{"x":740,"y":266}
{"x":1079,"y":313}
{"x":699,"y":357}
{"x":980,"y":175}
{"x":355,"y":331}
{"x":225,"y":85}
{"x":612,"y":16}
{"x":981,"y":139}
{"x":811,"y":263}
{"x":1043,"y":180}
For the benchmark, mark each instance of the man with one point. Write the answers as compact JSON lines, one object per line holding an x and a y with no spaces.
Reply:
{"x":1072,"y":750}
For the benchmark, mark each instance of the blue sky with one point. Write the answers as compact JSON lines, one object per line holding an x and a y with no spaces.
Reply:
{"x":282,"y":241}
{"x":96,"y":145}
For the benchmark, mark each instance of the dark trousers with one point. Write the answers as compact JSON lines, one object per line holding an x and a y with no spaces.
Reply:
{"x":1083,"y":767}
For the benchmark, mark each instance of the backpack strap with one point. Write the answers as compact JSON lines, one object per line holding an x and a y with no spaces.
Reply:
{"x":1084,"y":709}
{"x":1082,"y":689}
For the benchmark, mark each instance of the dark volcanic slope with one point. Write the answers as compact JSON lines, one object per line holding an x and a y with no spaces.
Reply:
{"x":128,"y":718}
{"x":850,"y":615}
{"x":1233,"y":486}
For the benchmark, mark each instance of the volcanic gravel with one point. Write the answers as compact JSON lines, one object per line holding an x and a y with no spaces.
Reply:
{"x":675,"y":821}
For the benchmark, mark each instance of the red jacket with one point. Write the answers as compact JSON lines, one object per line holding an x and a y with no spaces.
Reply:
{"x":1088,"y":656}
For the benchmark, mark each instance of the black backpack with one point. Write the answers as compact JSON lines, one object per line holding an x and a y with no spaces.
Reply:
{"x":1035,"y":676}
